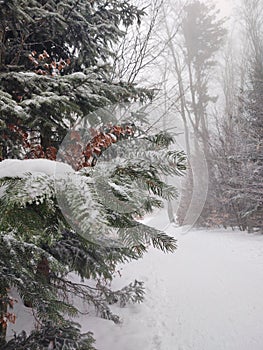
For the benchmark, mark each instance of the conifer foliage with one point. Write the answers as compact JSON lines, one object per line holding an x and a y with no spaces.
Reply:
{"x":54,"y":73}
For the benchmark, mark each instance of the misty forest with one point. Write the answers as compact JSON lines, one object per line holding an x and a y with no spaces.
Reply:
{"x":131,"y":174}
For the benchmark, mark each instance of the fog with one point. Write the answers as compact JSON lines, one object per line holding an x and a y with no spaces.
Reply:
{"x":202,"y":70}
{"x":226,"y":6}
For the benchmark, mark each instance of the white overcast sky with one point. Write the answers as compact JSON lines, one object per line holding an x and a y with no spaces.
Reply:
{"x":225,"y":6}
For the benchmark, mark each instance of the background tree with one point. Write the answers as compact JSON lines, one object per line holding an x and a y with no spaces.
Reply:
{"x":237,"y":166}
{"x":140,"y":48}
{"x":194,"y":40}
{"x":203,"y":35}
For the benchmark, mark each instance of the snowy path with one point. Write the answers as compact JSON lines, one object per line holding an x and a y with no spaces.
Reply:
{"x":208,"y":295}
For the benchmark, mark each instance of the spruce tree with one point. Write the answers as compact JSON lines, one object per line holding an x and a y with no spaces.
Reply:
{"x":55,"y":64}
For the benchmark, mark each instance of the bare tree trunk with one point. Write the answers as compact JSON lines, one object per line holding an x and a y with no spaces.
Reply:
{"x":181,"y":90}
{"x":170,"y":209}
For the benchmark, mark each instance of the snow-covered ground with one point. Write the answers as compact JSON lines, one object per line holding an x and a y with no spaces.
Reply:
{"x":208,"y":295}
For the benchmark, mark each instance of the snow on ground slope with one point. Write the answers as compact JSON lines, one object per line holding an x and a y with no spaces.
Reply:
{"x":208,"y":295}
